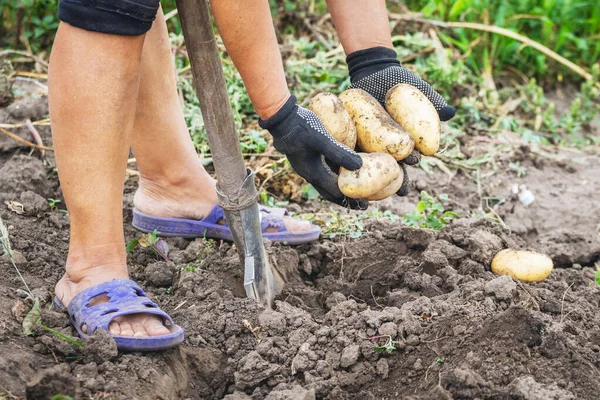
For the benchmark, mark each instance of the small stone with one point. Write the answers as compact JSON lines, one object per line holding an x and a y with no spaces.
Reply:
{"x":350,"y":356}
{"x":418,"y":365}
{"x":19,"y":259}
{"x":33,"y":203}
{"x":334,"y":299}
{"x":459,"y":330}
{"x":502,"y":287}
{"x":383,"y":368}
{"x":388,"y":329}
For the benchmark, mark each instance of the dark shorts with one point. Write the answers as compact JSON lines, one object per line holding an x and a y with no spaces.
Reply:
{"x":118,"y":17}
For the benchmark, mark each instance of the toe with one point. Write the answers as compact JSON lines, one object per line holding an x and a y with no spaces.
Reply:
{"x":126,"y":329}
{"x":139,"y":330}
{"x":155,"y":327}
{"x":114,"y":328}
{"x":295,"y":225}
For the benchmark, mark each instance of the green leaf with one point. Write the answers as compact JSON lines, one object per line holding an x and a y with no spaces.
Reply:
{"x":32,"y":319}
{"x":132,"y":244}
{"x":63,"y":337}
{"x":598,"y":277}
{"x":421,"y":206}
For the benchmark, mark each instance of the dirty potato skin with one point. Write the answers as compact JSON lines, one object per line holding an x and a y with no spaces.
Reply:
{"x":376,"y":131}
{"x":389,"y":190}
{"x":334,"y":116}
{"x":409,"y":107}
{"x":378,"y":171}
{"x":525,"y":265}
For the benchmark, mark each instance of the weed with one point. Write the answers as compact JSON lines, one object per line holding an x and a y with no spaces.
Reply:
{"x":597,"y":277}
{"x":63,"y":337}
{"x":53,"y":203}
{"x":389,"y":346}
{"x":7,"y":249}
{"x":151,"y":240}
{"x":430,"y":213}
{"x":61,"y":397}
{"x":346,"y":225}
{"x":189,"y":268}
{"x":517,"y":168}
{"x":271,"y":201}
{"x":170,"y":290}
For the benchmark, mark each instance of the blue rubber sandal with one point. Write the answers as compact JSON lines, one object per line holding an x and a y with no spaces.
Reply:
{"x":125,"y":298}
{"x":211,"y":228}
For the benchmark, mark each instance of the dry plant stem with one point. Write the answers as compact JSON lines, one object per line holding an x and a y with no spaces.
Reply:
{"x":36,"y":136}
{"x":43,"y":122}
{"x":25,"y":54}
{"x":23,"y":141}
{"x":562,"y":303}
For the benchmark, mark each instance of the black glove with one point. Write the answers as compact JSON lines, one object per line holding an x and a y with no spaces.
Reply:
{"x":376,"y":71}
{"x":301,"y":136}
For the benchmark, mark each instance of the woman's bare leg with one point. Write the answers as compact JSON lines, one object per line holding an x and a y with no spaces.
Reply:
{"x":93,"y":92}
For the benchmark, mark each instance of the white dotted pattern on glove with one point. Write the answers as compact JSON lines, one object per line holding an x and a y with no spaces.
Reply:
{"x":379,"y":83}
{"x":318,"y":126}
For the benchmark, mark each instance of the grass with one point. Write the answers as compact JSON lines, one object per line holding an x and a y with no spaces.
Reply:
{"x":430,"y":213}
{"x":152,"y":241}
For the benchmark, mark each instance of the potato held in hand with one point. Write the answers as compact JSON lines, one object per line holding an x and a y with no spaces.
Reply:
{"x":376,"y":131}
{"x":527,"y":266}
{"x":379,"y":177}
{"x":334,"y":116}
{"x":409,"y":107}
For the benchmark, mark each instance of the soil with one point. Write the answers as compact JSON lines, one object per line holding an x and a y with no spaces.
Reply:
{"x":454,"y":330}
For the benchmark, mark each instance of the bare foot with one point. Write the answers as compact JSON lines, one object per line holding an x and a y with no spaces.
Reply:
{"x":79,"y":279}
{"x":191,"y":200}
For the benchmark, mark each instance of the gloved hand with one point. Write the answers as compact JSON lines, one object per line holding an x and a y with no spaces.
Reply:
{"x":376,"y":71}
{"x":301,"y":136}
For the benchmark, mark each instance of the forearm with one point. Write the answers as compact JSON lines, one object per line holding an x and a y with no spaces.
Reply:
{"x":249,"y":36}
{"x":361,"y":24}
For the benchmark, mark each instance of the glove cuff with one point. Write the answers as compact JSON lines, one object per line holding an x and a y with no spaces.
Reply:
{"x":281,"y":123}
{"x":365,"y":62}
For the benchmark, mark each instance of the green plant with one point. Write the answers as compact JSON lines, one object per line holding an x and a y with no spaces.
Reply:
{"x":53,"y":203}
{"x":569,"y":27}
{"x":346,"y":225}
{"x":429,"y":213}
{"x":597,"y":277}
{"x":189,"y":268}
{"x":389,"y":346}
{"x":270,"y":201}
{"x":61,"y":397}
{"x":153,"y":241}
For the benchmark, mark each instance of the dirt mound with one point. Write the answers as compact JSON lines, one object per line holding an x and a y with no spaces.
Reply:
{"x":446,"y":326}
{"x":398,"y":313}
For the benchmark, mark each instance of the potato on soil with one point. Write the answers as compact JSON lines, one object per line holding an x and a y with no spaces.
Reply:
{"x":525,"y":265}
{"x":379,"y":170}
{"x":334,"y":116}
{"x":376,"y":131}
{"x":409,"y":107}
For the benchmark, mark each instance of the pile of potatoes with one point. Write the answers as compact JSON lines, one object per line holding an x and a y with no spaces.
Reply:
{"x":386,"y":137}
